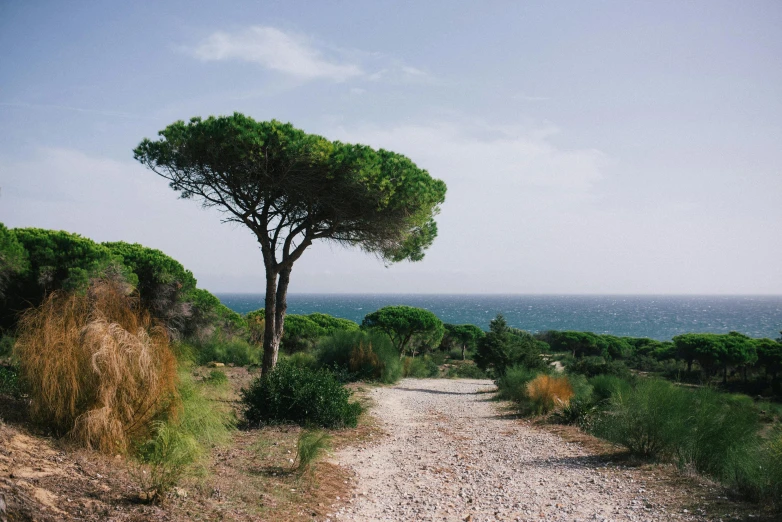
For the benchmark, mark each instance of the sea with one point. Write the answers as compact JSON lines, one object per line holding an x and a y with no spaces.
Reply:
{"x":656,"y":317}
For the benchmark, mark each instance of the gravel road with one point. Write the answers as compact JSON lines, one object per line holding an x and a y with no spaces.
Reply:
{"x":451,"y":454}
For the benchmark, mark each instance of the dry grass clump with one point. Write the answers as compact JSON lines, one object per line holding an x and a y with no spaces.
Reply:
{"x":547,"y":392}
{"x":97,"y":367}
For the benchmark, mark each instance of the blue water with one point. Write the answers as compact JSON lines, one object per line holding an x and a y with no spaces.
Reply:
{"x":658,"y":317}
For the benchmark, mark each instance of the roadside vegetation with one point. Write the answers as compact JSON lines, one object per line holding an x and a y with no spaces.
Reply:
{"x":114,"y":348}
{"x":663,"y":401}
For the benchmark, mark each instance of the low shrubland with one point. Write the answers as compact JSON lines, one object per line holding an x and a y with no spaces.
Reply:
{"x":715,"y":433}
{"x":422,"y":367}
{"x":465,"y":370}
{"x":300,"y":395}
{"x":233,"y":350}
{"x":357,"y":355}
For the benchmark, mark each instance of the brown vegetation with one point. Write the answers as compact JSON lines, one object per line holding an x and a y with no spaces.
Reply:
{"x":364,"y":357}
{"x":547,"y":392}
{"x":97,"y":367}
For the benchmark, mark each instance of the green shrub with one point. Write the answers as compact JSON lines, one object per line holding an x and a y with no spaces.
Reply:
{"x":303,"y":360}
{"x":233,"y":351}
{"x":466,"y":371}
{"x":437,"y":357}
{"x":216,"y":378}
{"x":336,"y":351}
{"x":580,"y":411}
{"x":6,"y":345}
{"x":604,"y":387}
{"x":312,"y":444}
{"x":513,"y":384}
{"x":9,"y":381}
{"x":722,"y":432}
{"x":419,"y":367}
{"x":651,"y":420}
{"x":455,"y":354}
{"x":299,"y":395}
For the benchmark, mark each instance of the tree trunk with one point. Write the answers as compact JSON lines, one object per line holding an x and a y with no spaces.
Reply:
{"x":271,"y":343}
{"x":689,"y":366}
{"x":464,"y":348}
{"x":725,"y":375}
{"x":276,"y":306}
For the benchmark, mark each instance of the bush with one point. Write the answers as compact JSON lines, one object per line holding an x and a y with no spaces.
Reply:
{"x":97,"y":367}
{"x":604,"y":387}
{"x":360,"y":355}
{"x":299,"y":395}
{"x":651,"y":420}
{"x":419,"y":367}
{"x":579,"y":411}
{"x":9,"y":381}
{"x":546,"y":392}
{"x":216,"y":378}
{"x":232,"y":351}
{"x":466,"y":371}
{"x":513,"y":384}
{"x":6,"y":345}
{"x":303,"y":360}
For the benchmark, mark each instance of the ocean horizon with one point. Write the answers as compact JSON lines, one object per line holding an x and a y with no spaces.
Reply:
{"x":655,"y":316}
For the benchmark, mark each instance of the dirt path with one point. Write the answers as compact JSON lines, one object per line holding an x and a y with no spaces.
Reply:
{"x":452,"y":455}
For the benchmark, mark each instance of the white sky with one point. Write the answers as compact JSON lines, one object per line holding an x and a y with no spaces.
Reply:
{"x":588,"y":147}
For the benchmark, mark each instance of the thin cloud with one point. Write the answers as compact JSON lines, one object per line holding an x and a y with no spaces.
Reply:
{"x":276,"y":50}
{"x":497,"y":155}
{"x":117,"y":114}
{"x":302,"y":58}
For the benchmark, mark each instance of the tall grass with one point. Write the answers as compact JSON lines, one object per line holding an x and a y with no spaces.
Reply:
{"x":179,"y":442}
{"x":96,"y":366}
{"x":311,"y":446}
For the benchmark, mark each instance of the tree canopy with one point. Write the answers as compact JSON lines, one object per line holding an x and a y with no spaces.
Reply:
{"x":503,"y":347}
{"x":406,"y":326}
{"x":463,"y":336}
{"x":716,"y":351}
{"x":291,"y":188}
{"x":13,"y":258}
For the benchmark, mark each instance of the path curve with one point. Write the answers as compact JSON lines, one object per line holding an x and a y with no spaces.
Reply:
{"x":451,"y":455}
